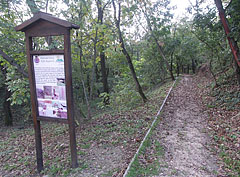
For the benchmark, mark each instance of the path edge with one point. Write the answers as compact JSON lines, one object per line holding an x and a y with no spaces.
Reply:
{"x":150,"y":129}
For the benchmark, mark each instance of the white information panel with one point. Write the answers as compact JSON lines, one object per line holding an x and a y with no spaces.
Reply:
{"x":50,"y":85}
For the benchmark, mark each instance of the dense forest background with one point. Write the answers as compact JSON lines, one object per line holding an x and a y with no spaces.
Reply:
{"x":122,"y":49}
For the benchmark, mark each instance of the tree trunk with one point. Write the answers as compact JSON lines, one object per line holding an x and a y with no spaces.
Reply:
{"x":7,"y":108}
{"x":104,"y":77}
{"x":94,"y":66}
{"x":8,"y":119}
{"x":163,"y":56}
{"x":102,"y":54}
{"x":193,"y":67}
{"x":171,"y":64}
{"x":231,"y":41}
{"x":178,"y":69}
{"x":214,"y":76}
{"x":11,"y":61}
{"x":88,"y":84}
{"x":128,"y":58}
{"x":81,"y":75}
{"x":158,"y":45}
{"x":97,"y":79}
{"x":104,"y":73}
{"x":33,"y":6}
{"x":237,"y":68}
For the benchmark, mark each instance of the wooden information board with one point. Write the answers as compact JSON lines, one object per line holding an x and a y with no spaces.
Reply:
{"x":50,"y":78}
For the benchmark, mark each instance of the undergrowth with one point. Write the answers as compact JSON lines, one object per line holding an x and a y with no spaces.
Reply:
{"x":223,"y":105}
{"x":113,"y":129}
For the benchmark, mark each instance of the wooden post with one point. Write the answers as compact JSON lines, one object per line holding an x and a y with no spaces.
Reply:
{"x":69,"y":94}
{"x":37,"y":128}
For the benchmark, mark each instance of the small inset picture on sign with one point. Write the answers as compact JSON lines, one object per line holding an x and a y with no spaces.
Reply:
{"x":36,"y":59}
{"x":40,"y":93}
{"x":62,"y":114}
{"x":60,"y":82}
{"x":47,"y":91}
{"x":55,"y":95}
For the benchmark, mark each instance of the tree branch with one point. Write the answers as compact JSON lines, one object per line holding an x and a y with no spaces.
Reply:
{"x":13,"y":63}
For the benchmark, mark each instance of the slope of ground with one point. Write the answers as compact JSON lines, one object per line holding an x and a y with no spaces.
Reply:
{"x":105,"y":144}
{"x":222,"y":105}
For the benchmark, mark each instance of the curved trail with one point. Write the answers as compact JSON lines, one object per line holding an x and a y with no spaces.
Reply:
{"x":182,"y":133}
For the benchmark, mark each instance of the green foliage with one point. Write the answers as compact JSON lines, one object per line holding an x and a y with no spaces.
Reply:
{"x":2,"y":80}
{"x":18,"y":87}
{"x":124,"y":95}
{"x":104,"y":96}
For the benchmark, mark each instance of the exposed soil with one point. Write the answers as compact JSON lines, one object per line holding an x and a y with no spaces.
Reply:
{"x":183,"y":134}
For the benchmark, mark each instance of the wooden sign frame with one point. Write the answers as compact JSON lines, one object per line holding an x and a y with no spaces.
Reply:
{"x":46,"y":25}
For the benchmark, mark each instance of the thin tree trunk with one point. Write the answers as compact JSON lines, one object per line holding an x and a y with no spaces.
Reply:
{"x":231,"y":41}
{"x":84,"y":88}
{"x":171,"y":63}
{"x":94,"y":65}
{"x":104,"y":77}
{"x":104,"y":73}
{"x":14,"y":63}
{"x":128,"y":58}
{"x":33,"y":6}
{"x":83,"y":84}
{"x":237,"y":69}
{"x":214,"y":76}
{"x":158,"y":45}
{"x":163,"y":56}
{"x":193,"y":66}
{"x":102,"y":54}
{"x":8,"y":119}
{"x":178,"y":69}
{"x":81,"y":71}
{"x":7,"y":108}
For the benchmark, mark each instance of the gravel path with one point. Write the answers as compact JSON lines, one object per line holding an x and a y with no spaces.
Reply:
{"x":182,"y":133}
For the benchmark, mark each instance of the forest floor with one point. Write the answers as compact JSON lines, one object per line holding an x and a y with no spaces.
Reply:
{"x":105,"y":144}
{"x":187,"y":140}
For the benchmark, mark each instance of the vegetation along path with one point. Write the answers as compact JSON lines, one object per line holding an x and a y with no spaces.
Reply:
{"x":183,"y":134}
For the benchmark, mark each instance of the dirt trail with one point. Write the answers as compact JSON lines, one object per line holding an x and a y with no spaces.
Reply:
{"x":182,"y":132}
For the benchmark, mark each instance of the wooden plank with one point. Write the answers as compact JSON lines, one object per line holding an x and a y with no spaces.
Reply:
{"x":47,"y":17}
{"x":52,"y":119}
{"x":46,"y":52}
{"x":44,"y":28}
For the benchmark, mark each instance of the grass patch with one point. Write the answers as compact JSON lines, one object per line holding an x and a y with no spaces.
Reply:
{"x":143,"y":165}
